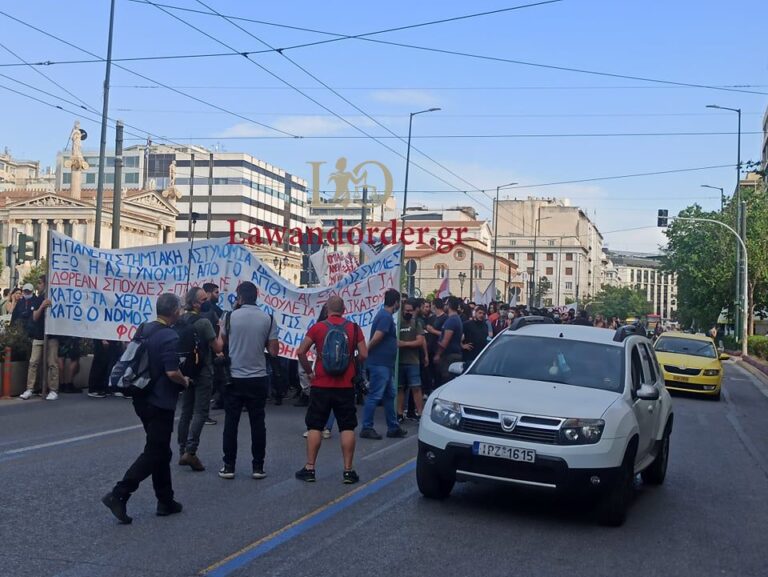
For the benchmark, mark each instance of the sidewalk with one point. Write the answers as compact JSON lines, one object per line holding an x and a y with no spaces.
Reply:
{"x":758,"y":369}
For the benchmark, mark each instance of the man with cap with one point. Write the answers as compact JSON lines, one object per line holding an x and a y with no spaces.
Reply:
{"x":30,"y":312}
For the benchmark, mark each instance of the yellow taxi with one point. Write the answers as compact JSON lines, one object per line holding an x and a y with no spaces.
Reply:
{"x":690,"y":363}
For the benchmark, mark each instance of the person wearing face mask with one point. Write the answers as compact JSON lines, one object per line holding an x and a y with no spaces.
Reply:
{"x":410,"y":343}
{"x":30,"y":312}
{"x":382,"y":350}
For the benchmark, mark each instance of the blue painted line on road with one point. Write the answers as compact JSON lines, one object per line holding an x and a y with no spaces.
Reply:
{"x":304,"y":524}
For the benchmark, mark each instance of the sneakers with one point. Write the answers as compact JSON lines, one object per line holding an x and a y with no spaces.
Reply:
{"x":117,"y":506}
{"x":305,"y":474}
{"x":97,"y":395}
{"x":398,"y":433}
{"x":192,"y":460}
{"x":350,"y":477}
{"x":210,"y":421}
{"x":400,"y":418}
{"x":26,"y":395}
{"x":118,"y":394}
{"x":370,"y":434}
{"x":327,"y":434}
{"x":227,"y":472}
{"x":52,"y":396}
{"x":258,"y":473}
{"x":165,"y":509}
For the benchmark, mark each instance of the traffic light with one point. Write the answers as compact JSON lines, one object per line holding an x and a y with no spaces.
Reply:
{"x":663,"y":217}
{"x":26,"y":248}
{"x":9,"y":257}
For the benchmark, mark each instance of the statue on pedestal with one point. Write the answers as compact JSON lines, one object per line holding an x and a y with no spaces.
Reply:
{"x":172,"y":193}
{"x":76,"y":160}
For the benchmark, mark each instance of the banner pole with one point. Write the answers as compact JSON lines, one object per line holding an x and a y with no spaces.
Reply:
{"x":44,"y":384}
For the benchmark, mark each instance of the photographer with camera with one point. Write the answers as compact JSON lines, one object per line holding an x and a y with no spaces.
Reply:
{"x":332,"y":385}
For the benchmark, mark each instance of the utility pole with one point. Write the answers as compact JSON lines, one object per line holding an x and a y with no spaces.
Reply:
{"x":191,"y":194}
{"x":117,"y":188}
{"x":103,"y":143}
{"x":210,"y":195}
{"x":363,"y":216}
{"x":471,"y":272}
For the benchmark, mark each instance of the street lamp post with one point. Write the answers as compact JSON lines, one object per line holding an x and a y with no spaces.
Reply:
{"x":744,"y":280}
{"x":462,"y":278}
{"x":737,"y":198}
{"x":722,"y":194}
{"x":496,"y":231}
{"x":279,"y":262}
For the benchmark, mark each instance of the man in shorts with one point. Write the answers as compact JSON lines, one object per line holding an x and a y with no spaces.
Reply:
{"x":331,"y":392}
{"x":410,"y":343}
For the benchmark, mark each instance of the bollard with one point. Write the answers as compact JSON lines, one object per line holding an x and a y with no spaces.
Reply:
{"x":7,"y":373}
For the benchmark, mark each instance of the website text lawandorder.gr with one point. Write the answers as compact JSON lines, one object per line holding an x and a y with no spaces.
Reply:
{"x":447,"y":237}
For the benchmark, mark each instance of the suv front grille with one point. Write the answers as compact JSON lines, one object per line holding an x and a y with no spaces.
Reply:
{"x":678,"y":371}
{"x":520,"y":432}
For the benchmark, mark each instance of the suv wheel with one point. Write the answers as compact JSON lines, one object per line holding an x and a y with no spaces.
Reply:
{"x":612,"y":510}
{"x":655,"y":474}
{"x":431,"y":484}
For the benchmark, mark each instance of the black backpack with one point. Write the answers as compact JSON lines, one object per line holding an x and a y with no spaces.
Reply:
{"x":191,"y":347}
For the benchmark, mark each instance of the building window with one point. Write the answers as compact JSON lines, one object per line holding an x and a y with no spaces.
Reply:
{"x":478,"y":270}
{"x":551,"y":242}
{"x":569,"y":256}
{"x":547,"y":302}
{"x":67,"y":178}
{"x":511,"y":256}
{"x":512,"y":242}
{"x":568,"y":271}
{"x":131,"y":178}
{"x":90,"y":178}
{"x":530,"y":256}
{"x":550,"y":256}
{"x":442,"y":270}
{"x":529,"y":270}
{"x":568,"y":286}
{"x":550,"y":270}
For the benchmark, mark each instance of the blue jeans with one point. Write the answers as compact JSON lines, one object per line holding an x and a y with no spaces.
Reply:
{"x":381,"y":388}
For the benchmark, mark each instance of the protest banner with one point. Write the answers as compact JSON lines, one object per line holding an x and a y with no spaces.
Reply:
{"x":106,"y":294}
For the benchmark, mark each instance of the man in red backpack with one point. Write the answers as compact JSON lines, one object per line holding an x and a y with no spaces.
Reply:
{"x":332,"y":387}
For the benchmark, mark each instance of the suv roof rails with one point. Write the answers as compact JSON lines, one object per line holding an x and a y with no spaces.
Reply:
{"x":628,"y":330}
{"x":518,"y":324}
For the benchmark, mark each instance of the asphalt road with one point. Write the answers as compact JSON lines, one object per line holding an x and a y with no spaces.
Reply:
{"x":58,"y":459}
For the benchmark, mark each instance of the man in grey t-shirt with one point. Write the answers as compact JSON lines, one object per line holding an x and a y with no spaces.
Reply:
{"x":247,"y":331}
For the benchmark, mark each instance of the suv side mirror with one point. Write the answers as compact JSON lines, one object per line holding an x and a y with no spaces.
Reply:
{"x":456,"y":368}
{"x":724,"y":357}
{"x":648,"y":392}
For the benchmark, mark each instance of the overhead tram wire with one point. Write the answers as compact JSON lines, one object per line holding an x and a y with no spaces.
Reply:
{"x":318,"y":103}
{"x":148,"y":79}
{"x":367,"y":37}
{"x":343,"y":98}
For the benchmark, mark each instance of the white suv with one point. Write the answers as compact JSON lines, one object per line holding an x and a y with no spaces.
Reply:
{"x":559,"y":407}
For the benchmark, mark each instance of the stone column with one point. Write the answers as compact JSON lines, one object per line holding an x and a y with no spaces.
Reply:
{"x":58,"y":225}
{"x":26,"y":226}
{"x":43,"y":237}
{"x":89,"y":229}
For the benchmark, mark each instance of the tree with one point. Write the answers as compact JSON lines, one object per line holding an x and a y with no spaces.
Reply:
{"x":542,"y":288}
{"x":34,"y":274}
{"x":622,"y":302}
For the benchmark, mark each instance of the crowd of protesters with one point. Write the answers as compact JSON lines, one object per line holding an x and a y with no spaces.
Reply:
{"x":407,"y":354}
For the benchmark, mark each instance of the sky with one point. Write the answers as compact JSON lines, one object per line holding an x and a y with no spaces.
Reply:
{"x":499,"y":122}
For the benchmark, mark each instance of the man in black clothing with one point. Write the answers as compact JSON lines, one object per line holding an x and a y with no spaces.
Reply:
{"x":214,"y":313}
{"x":475,"y":335}
{"x":433,"y":328}
{"x":583,"y":319}
{"x":105,"y":355}
{"x":156,"y":410}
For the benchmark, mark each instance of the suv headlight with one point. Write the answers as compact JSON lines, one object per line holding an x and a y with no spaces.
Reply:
{"x":446,"y":413}
{"x":581,"y":431}
{"x":711,"y":372}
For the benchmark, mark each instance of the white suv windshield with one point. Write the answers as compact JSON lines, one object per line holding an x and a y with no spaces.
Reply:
{"x":553,"y":360}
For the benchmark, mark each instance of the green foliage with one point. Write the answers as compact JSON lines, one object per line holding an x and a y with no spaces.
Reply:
{"x":703,"y":257}
{"x":569,"y":300}
{"x":15,"y":337}
{"x":622,"y":302}
{"x":542,"y":288}
{"x":35,"y":273}
{"x":757,"y":346}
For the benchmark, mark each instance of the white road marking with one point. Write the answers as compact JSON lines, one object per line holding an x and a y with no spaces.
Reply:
{"x":69,"y":440}
{"x":389,"y":447}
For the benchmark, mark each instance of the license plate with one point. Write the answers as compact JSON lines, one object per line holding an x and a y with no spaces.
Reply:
{"x":680,"y":379}
{"x":502,"y":452}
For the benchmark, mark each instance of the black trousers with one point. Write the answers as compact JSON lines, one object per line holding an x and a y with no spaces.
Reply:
{"x":251,"y":394}
{"x":104,"y":358}
{"x":156,"y":458}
